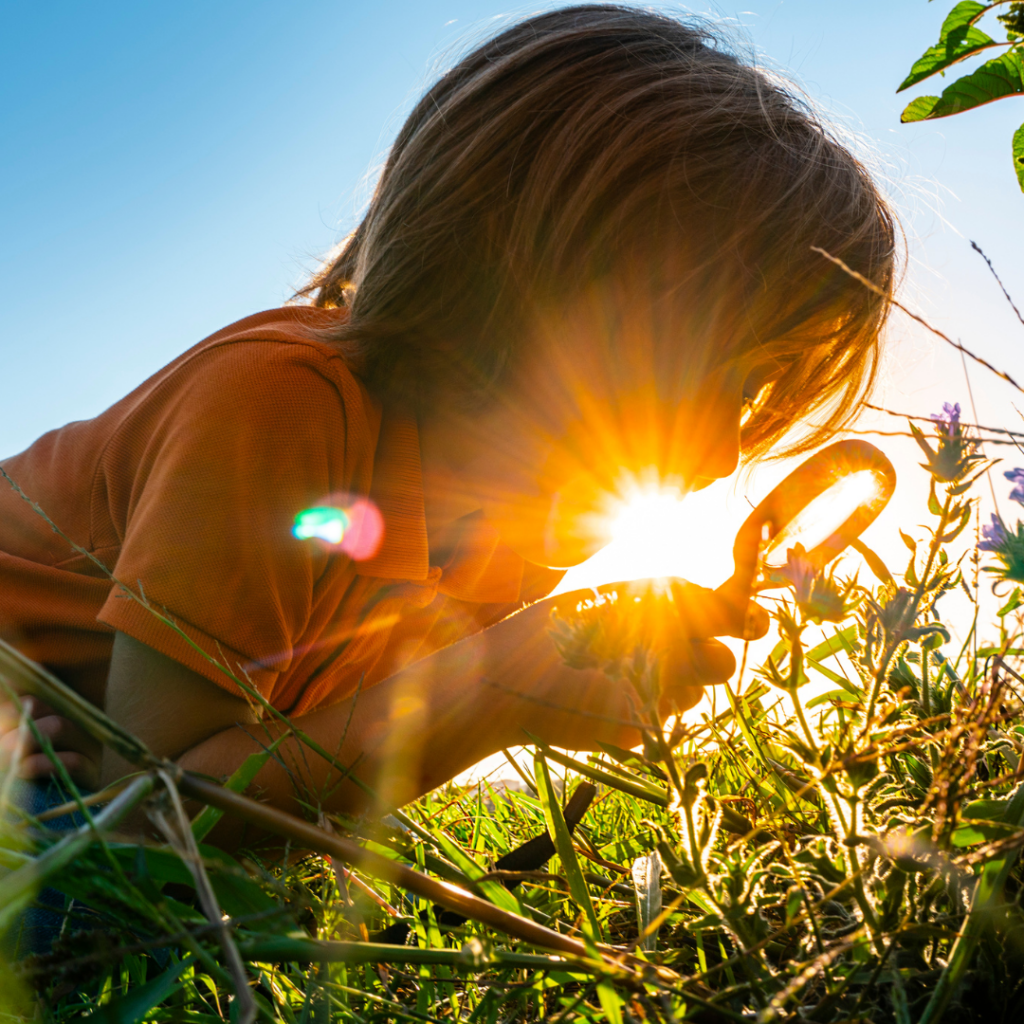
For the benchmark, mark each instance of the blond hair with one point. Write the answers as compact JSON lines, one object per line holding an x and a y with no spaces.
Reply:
{"x":584,"y":140}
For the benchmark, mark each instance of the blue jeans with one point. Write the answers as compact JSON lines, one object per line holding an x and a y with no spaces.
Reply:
{"x":40,"y":924}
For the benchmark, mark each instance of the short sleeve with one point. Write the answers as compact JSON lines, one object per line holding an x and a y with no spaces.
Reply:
{"x":208,"y":478}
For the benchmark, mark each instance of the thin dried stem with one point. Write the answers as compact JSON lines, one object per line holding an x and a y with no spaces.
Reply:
{"x":977,"y":248}
{"x":914,"y":316}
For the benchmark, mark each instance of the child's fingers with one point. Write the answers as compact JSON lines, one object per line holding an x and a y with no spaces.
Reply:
{"x":697,"y":663}
{"x":82,"y":769}
{"x":65,"y":735}
{"x":722,"y":612}
{"x":690,"y":666}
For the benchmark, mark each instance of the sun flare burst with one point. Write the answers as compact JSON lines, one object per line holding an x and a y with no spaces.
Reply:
{"x":655,"y":533}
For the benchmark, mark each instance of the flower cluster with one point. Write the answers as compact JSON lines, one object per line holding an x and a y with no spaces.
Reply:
{"x":956,"y":453}
{"x":1007,"y":544}
{"x":819,"y":596}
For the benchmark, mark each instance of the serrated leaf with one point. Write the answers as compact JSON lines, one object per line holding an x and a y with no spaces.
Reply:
{"x":958,"y":39}
{"x":994,"y":80}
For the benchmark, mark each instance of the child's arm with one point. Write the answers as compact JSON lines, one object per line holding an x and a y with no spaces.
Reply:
{"x":410,"y":732}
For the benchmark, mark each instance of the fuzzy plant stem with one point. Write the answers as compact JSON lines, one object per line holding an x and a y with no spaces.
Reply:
{"x":911,"y":615}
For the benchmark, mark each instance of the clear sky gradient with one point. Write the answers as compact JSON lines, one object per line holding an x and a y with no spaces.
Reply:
{"x":169,"y":168}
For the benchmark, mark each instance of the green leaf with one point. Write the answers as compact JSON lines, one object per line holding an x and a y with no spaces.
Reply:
{"x":918,"y":434}
{"x":841,"y":640}
{"x":1013,"y":603}
{"x":910,"y":575}
{"x":238,"y":782}
{"x":987,"y":890}
{"x":987,"y":810}
{"x":634,"y":786}
{"x":559,"y":832}
{"x":994,"y":80}
{"x":136,"y":1005}
{"x":952,"y":534}
{"x":610,"y":1002}
{"x":494,"y":891}
{"x":875,"y":564}
{"x":849,"y":689}
{"x":1018,"y":155}
{"x":825,"y":698}
{"x":933,"y":502}
{"x":958,"y":39}
{"x":646,"y":872}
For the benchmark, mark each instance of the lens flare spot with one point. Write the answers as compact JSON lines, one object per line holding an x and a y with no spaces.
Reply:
{"x":355,"y":528}
{"x":326,"y":524}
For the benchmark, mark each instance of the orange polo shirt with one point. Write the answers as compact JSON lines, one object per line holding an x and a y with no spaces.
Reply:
{"x":187,"y":490}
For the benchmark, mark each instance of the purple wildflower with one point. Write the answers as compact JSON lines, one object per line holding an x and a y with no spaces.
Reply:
{"x":995,"y":535}
{"x":949,"y":417}
{"x":800,"y":572}
{"x":1016,"y":477}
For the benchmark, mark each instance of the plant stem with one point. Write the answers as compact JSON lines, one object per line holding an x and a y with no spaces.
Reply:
{"x":910,"y":616}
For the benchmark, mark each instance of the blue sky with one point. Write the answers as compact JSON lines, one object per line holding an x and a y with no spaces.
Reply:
{"x":169,"y":168}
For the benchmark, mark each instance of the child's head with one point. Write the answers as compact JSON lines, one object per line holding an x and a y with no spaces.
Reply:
{"x":617,"y":162}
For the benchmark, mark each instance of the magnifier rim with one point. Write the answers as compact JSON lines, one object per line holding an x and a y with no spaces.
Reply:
{"x":783,"y":504}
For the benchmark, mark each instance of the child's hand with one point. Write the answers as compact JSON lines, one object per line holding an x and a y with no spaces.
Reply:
{"x":695,"y":660}
{"x":580,"y":708}
{"x":77,"y":751}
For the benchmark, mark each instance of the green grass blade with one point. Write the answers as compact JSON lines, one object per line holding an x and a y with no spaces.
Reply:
{"x":559,"y":832}
{"x":238,"y":782}
{"x":19,"y":888}
{"x":634,"y":787}
{"x":136,"y":1005}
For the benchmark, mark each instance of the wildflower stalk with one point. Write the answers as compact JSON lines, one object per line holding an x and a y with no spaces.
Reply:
{"x":909,"y":618}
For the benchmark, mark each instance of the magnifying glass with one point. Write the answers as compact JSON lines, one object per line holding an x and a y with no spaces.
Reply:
{"x":824,"y":505}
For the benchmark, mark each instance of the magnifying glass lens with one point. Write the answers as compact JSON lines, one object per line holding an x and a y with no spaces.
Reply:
{"x":824,"y":516}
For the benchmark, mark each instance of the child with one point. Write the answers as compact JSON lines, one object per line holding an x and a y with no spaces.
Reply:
{"x":588,"y":256}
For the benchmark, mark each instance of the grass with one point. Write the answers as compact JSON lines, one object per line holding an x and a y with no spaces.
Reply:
{"x":846,"y":856}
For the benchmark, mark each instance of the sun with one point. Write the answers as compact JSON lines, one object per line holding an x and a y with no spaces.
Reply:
{"x":656,"y":531}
